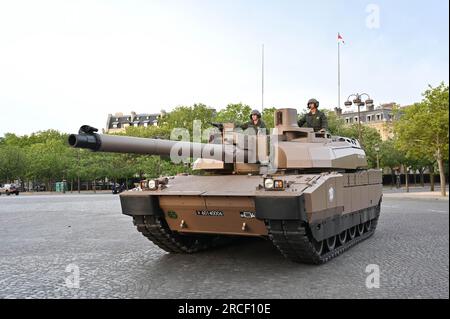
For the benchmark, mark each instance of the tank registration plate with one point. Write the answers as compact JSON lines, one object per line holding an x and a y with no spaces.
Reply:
{"x":209,"y":213}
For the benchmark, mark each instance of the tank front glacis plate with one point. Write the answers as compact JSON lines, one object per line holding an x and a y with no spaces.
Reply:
{"x":228,"y":215}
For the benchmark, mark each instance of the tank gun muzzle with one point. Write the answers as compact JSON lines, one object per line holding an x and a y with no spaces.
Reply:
{"x":86,"y":138}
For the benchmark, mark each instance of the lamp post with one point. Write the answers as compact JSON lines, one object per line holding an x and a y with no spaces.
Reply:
{"x":358,"y":101}
{"x":377,"y":149}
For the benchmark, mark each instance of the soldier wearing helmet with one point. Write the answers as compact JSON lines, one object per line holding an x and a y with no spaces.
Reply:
{"x":255,"y":122}
{"x":315,"y":118}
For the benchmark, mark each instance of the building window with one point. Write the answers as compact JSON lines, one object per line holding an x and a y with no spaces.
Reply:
{"x":368,"y":118}
{"x":114,"y":125}
{"x":356,"y":119}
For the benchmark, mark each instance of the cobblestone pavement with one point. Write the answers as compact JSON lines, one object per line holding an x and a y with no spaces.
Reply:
{"x":42,"y":235}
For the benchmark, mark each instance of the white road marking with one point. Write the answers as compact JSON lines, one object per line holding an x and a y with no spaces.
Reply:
{"x":437,"y":211}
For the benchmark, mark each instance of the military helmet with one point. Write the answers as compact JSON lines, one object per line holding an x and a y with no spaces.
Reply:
{"x":313,"y":101}
{"x":255,"y":112}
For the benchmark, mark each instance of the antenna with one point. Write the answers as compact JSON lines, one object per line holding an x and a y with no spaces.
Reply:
{"x":262,"y":81}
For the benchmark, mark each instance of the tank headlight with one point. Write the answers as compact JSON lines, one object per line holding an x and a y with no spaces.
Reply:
{"x":278,"y":184}
{"x":271,"y":184}
{"x":152,"y":184}
{"x":268,"y":183}
{"x":144,"y":184}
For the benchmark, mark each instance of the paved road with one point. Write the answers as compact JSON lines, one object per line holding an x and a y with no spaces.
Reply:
{"x":41,"y":235}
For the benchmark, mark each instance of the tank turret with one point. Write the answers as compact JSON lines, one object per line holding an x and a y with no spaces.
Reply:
{"x":288,"y":147}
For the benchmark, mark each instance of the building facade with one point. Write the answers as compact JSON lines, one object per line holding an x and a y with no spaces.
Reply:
{"x":380,"y":118}
{"x":119,"y":122}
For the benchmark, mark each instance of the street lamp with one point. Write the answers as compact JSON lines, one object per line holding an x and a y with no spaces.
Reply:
{"x":377,"y":149}
{"x":359,"y":102}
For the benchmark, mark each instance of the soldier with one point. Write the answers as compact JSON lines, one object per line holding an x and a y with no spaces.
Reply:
{"x":255,"y":122}
{"x":314,"y":119}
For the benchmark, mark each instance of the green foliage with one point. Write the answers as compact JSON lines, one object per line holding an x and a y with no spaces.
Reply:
{"x":48,"y":161}
{"x":184,"y":116}
{"x":390,"y":155}
{"x":13,"y":162}
{"x":422,"y":130}
{"x":336,"y":125}
{"x":149,"y":132}
{"x":234,"y":113}
{"x":240,"y":113}
{"x":423,"y":127}
{"x":268,"y":117}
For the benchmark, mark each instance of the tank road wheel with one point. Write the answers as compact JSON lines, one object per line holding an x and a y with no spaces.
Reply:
{"x":331,"y":243}
{"x":352,"y":233}
{"x":360,"y":229}
{"x":342,"y":237}
{"x":368,"y":225}
{"x":318,"y":246}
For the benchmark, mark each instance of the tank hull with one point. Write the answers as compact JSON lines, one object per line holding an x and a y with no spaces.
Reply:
{"x":313,"y":209}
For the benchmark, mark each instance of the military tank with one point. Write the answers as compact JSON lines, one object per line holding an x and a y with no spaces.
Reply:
{"x":309,"y":193}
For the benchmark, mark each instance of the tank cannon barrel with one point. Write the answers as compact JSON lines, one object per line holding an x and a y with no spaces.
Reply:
{"x":88,"y":139}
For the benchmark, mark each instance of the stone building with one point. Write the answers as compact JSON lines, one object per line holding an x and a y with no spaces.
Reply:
{"x":380,"y":118}
{"x":119,"y":122}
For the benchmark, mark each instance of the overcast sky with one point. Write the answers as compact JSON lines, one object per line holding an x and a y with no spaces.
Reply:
{"x":68,"y":63}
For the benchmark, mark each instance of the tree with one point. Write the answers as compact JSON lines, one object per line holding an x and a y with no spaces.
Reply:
{"x":336,"y":125}
{"x":423,"y":129}
{"x":184,"y":116}
{"x":234,"y":113}
{"x":149,"y":132}
{"x":48,"y":161}
{"x":268,"y":117}
{"x":390,"y":157}
{"x":13,"y":162}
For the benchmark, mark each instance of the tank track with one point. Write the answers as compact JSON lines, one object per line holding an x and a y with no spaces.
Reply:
{"x":294,"y":240}
{"x":157,"y":230}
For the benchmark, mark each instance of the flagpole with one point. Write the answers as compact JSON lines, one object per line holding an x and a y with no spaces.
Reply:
{"x":339,"y":74}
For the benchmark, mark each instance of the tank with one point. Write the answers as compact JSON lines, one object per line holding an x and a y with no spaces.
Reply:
{"x":309,"y":193}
